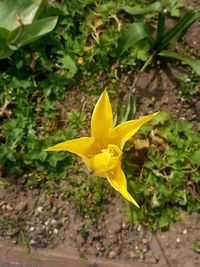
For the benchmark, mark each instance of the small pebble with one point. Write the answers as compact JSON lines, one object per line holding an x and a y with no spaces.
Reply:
{"x":144,"y":241}
{"x":9,"y":207}
{"x":178,"y":240}
{"x":32,"y":242}
{"x":31,"y":229}
{"x":55,"y":231}
{"x":112,"y":254}
{"x":185,"y":231}
{"x":39,"y":209}
{"x":47,"y":222}
{"x":53,"y":221}
{"x":2,"y":202}
{"x":125,"y":226}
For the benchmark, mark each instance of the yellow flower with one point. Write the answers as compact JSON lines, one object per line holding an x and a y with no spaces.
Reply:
{"x":102,"y":151}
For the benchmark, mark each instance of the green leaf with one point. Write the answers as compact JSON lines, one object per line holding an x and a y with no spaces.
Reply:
{"x":179,"y":28}
{"x":193,"y":63}
{"x":139,"y":10}
{"x":173,"y":7}
{"x":135,"y":32}
{"x":196,"y":246}
{"x":53,"y":159}
{"x":195,"y":158}
{"x":11,"y":10}
{"x":69,"y":64}
{"x":160,"y":30}
{"x":161,"y":118}
{"x":4,"y":33}
{"x":5,"y":51}
{"x":31,"y":32}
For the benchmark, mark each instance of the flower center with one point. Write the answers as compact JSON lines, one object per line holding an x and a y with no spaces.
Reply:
{"x":105,"y":161}
{"x":114,"y":156}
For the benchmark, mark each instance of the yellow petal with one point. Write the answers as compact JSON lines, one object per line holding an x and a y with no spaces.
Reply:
{"x":118,"y":180}
{"x":102,"y":121}
{"x":121,"y":133}
{"x":99,"y":164}
{"x":81,"y":146}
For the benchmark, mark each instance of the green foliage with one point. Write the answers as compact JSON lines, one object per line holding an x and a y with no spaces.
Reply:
{"x":170,"y":174}
{"x":196,"y":246}
{"x":186,"y":86}
{"x":173,"y":7}
{"x":21,"y":24}
{"x":125,"y":111}
{"x":76,"y":119}
{"x":139,"y":31}
{"x":28,"y":113}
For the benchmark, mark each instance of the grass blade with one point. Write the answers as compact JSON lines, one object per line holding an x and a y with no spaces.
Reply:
{"x":179,"y":28}
{"x":193,"y":63}
{"x":160,"y":30}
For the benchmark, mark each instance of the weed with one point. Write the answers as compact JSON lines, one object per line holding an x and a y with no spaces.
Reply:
{"x":196,"y":246}
{"x":76,"y":119}
{"x":89,"y":195}
{"x":138,"y":35}
{"x":186,"y":87}
{"x":23,"y":240}
{"x":168,"y":175}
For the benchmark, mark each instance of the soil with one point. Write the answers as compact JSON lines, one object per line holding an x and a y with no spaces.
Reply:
{"x":36,"y":219}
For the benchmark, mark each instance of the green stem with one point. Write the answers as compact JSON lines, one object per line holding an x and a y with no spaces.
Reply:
{"x":147,"y":62}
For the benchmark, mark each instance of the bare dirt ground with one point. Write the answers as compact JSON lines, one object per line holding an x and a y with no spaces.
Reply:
{"x":52,"y":222}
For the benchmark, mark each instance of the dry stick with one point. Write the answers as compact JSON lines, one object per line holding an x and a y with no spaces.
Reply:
{"x":162,"y":250}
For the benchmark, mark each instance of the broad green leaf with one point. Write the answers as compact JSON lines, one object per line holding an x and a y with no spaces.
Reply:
{"x":31,"y":32}
{"x":10,"y":10}
{"x":139,"y":10}
{"x":193,"y":63}
{"x":161,"y":118}
{"x":179,"y":28}
{"x":4,"y":33}
{"x":135,"y":32}
{"x":5,"y":51}
{"x":195,"y":158}
{"x":69,"y":64}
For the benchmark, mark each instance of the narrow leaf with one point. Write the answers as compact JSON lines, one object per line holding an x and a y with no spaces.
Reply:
{"x":139,"y":10}
{"x":160,"y":30}
{"x":179,"y":28}
{"x":193,"y":63}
